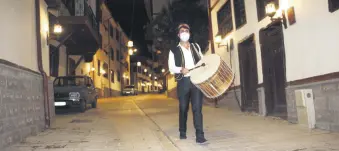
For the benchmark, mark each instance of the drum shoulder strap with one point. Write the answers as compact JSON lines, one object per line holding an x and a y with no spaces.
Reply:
{"x":182,"y":57}
{"x":195,"y":46}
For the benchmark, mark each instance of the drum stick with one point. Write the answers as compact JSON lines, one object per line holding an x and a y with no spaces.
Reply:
{"x":202,"y":65}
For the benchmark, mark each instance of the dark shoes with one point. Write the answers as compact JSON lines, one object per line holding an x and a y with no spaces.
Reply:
{"x":183,"y":136}
{"x":200,"y":140}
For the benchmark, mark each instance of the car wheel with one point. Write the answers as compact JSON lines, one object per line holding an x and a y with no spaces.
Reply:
{"x":82,"y":106}
{"x":94,"y":103}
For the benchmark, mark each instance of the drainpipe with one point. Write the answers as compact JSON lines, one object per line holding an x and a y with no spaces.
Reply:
{"x":109,"y":75}
{"x":210,"y":25}
{"x":40,"y":65}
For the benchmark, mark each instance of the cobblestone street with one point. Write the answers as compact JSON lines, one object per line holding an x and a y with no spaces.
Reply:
{"x":150,"y":122}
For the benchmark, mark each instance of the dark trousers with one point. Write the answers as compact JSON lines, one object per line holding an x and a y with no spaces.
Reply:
{"x":186,"y":92}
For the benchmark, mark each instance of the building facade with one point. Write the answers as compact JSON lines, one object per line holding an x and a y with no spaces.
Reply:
{"x":25,"y":84}
{"x":110,"y":67}
{"x":79,"y":38}
{"x":100,"y":52}
{"x":144,"y":77}
{"x":276,"y":59}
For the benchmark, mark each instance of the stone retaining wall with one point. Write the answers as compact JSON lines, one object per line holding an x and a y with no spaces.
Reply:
{"x":21,"y":104}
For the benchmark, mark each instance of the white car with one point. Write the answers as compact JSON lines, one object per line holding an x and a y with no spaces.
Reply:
{"x":129,"y":90}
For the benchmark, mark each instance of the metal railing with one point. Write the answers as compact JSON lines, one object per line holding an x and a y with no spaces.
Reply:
{"x":81,"y":8}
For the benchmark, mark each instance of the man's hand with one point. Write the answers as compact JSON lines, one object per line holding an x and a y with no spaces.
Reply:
{"x":184,"y":71}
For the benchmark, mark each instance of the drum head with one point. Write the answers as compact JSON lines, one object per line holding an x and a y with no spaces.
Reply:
{"x":212,"y":63}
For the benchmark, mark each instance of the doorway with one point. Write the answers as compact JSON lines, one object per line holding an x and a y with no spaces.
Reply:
{"x":273,"y":65}
{"x":248,"y":75}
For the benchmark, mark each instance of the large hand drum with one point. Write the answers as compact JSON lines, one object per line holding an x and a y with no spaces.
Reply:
{"x":214,"y":78}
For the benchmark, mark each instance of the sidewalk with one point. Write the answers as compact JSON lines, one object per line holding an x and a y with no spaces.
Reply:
{"x":235,"y":131}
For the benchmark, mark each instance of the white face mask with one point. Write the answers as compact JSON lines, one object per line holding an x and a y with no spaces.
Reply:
{"x":184,"y":36}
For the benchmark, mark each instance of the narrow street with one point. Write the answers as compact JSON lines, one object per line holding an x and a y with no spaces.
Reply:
{"x":149,"y":123}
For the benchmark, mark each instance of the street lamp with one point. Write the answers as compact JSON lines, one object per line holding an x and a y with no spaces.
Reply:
{"x":130,"y":52}
{"x":145,"y":70}
{"x":271,"y":11}
{"x":130,"y":43}
{"x":163,"y":70}
{"x":222,"y":42}
{"x":218,"y":39}
{"x":135,"y":50}
{"x":138,"y":64}
{"x":57,"y":28}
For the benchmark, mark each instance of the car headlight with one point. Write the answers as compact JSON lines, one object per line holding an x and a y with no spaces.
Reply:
{"x":74,"y":95}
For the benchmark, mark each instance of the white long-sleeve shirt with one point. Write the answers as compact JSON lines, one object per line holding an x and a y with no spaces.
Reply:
{"x":188,"y":56}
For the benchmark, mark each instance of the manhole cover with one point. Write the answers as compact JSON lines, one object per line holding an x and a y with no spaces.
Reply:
{"x":81,"y":121}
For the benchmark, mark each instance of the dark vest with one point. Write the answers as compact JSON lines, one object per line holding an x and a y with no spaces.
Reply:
{"x":179,"y":55}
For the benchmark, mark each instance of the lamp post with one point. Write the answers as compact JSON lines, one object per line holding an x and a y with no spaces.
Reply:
{"x":137,"y":80}
{"x":138,"y":66}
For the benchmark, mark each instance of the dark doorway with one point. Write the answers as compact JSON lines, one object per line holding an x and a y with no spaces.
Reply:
{"x":248,"y":75}
{"x":273,"y":65}
{"x":71,"y":66}
{"x":54,"y":61}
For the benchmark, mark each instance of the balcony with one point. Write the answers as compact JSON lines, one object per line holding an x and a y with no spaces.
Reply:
{"x":80,"y":27}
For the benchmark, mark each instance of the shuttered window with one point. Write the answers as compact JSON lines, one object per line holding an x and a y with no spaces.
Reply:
{"x":239,"y":13}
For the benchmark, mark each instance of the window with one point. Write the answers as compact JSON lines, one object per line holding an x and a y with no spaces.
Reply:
{"x":54,"y":61}
{"x":224,"y":17}
{"x":111,"y":31}
{"x":261,"y":4}
{"x":117,"y":35}
{"x":112,"y":54}
{"x":105,"y":67}
{"x":70,"y":81}
{"x":239,"y":13}
{"x":112,"y":76}
{"x":118,"y":75}
{"x":71,"y":66}
{"x":99,"y":68}
{"x":333,"y":5}
{"x":118,"y":55}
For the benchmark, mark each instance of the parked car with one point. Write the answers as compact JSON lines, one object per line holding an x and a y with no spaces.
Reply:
{"x":74,"y":92}
{"x":129,"y":90}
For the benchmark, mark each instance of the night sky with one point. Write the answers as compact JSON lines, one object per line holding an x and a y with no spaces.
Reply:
{"x":122,"y":13}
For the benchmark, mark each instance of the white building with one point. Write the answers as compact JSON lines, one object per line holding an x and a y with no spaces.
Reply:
{"x":27,"y":105}
{"x":79,"y":20}
{"x":271,"y":62}
{"x":110,"y":67}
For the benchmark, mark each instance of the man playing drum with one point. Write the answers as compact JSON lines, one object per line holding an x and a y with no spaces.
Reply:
{"x":182,"y":57}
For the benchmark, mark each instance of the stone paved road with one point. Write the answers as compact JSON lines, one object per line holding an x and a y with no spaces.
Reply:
{"x":150,"y":122}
